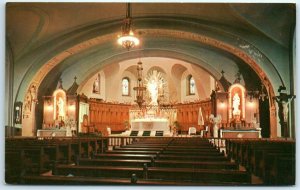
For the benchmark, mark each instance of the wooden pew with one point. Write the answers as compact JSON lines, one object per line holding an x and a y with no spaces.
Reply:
{"x":199,"y":175}
{"x":36,"y":156}
{"x":66,"y":180}
{"x":277,"y":168}
{"x":261,"y":157}
{"x":126,"y":156}
{"x":131,"y":152}
{"x":114,"y":162}
{"x":137,"y":148}
{"x":282,"y":171}
{"x":193,"y":158}
{"x":171,"y":161}
{"x":158,"y":163}
{"x":223,"y":165}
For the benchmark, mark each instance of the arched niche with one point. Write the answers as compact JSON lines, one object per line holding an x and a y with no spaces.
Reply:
{"x":236,"y":102}
{"x":59,"y":105}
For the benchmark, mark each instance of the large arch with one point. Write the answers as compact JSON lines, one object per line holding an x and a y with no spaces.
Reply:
{"x":54,"y":54}
{"x":257,"y":60}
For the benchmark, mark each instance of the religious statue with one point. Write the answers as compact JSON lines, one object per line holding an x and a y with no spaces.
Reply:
{"x":96,"y":85}
{"x":153,"y":90}
{"x":33,"y":92}
{"x":283,"y":101}
{"x":60,"y":104}
{"x":155,"y":85}
{"x":215,"y":121}
{"x":27,"y":104}
{"x":236,"y":104}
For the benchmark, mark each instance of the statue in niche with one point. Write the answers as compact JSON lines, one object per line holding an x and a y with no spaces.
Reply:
{"x":153,"y":90}
{"x":27,"y":105}
{"x":33,"y":92}
{"x":61,"y":106}
{"x":155,"y":84}
{"x":96,"y":85}
{"x":236,"y":103}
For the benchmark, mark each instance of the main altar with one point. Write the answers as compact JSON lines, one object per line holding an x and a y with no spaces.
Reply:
{"x":153,"y":117}
{"x":152,"y":120}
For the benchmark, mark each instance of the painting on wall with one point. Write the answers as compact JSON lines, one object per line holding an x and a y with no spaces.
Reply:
{"x":96,"y":85}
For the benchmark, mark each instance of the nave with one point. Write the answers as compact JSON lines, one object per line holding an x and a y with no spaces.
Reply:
{"x":150,"y":161}
{"x":150,"y":93}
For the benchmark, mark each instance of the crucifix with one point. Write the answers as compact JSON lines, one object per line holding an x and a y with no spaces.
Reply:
{"x":283,"y":101}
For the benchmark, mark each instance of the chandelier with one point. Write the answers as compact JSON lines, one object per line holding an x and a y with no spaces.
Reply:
{"x":260,"y":94}
{"x":127,"y":39}
{"x":140,"y":87}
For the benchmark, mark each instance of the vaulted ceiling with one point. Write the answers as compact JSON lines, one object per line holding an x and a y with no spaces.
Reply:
{"x":214,"y":36}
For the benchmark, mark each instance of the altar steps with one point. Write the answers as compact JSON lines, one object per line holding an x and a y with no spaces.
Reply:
{"x":159,"y":133}
{"x":146,"y":133}
{"x":134,"y":133}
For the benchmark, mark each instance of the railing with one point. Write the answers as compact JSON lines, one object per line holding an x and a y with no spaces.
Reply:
{"x":220,"y":144}
{"x":120,"y":141}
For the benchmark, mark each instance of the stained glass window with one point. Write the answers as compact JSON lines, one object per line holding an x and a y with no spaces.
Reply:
{"x":192,"y":85}
{"x":125,"y":87}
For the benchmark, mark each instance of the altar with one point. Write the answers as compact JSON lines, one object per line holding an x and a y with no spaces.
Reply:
{"x":51,"y":133}
{"x":150,"y":124}
{"x":240,"y":133}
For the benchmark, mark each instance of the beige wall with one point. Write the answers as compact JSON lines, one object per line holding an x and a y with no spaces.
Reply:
{"x":88,"y":87}
{"x":174,"y":71}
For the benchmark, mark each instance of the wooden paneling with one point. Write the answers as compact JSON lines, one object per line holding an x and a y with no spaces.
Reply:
{"x":187,"y":114}
{"x":105,"y":114}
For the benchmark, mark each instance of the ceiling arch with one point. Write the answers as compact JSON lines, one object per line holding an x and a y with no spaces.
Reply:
{"x":256,"y":60}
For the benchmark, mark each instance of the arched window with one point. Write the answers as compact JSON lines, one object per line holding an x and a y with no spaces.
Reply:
{"x":125,"y":86}
{"x":191,"y":85}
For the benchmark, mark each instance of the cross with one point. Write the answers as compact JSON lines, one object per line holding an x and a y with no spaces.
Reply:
{"x":238,"y":76}
{"x":222,"y":73}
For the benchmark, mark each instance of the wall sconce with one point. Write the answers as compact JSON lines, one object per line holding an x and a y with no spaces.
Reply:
{"x":222,"y":104}
{"x":71,"y":107}
{"x":251,"y":103}
{"x":49,"y":106}
{"x":18,"y":112}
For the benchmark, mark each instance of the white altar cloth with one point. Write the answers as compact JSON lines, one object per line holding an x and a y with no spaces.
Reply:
{"x":51,"y":133}
{"x":150,"y":124}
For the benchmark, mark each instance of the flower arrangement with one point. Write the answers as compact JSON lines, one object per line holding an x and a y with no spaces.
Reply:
{"x":215,"y":120}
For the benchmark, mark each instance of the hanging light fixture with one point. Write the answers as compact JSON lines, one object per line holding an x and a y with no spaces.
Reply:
{"x":127,"y":39}
{"x":262,"y":95}
{"x":140,"y":86}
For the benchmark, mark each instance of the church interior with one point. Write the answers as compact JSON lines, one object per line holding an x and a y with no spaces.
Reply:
{"x":150,"y":94}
